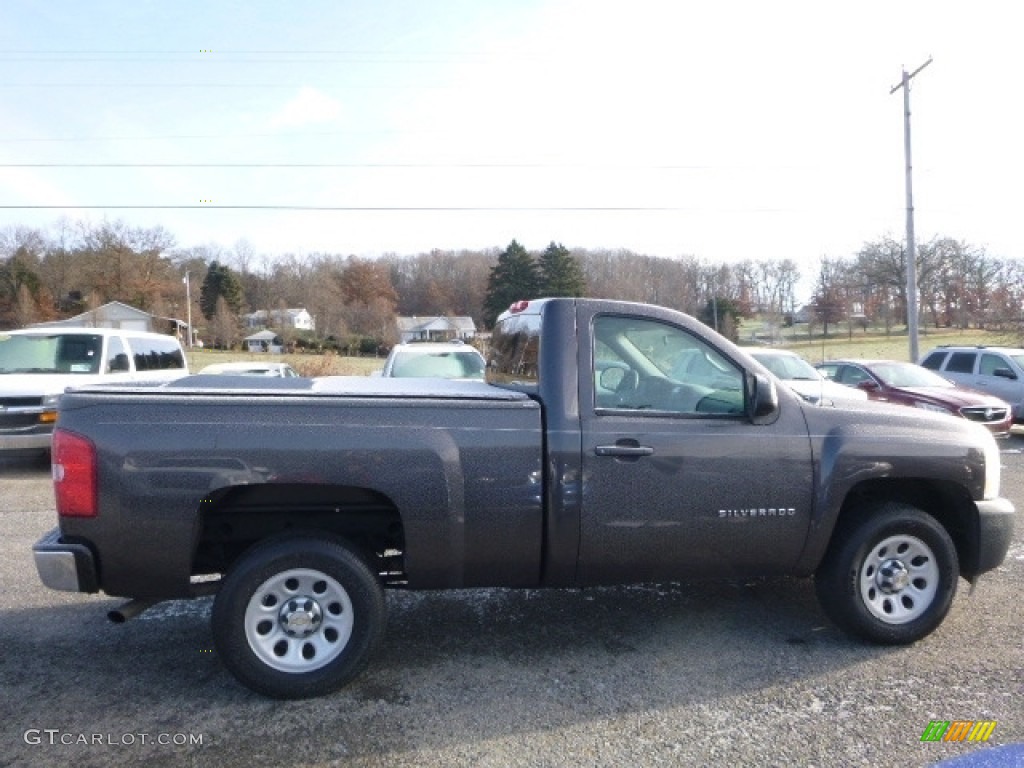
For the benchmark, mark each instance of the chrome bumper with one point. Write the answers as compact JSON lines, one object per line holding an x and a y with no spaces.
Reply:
{"x":68,"y":567}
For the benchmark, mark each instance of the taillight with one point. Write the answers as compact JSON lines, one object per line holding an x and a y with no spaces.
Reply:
{"x":74,"y":474}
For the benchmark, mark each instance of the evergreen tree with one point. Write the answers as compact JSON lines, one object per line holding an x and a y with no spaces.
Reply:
{"x":560,"y":272}
{"x":220,"y":282}
{"x":512,"y":279}
{"x":729,"y":316}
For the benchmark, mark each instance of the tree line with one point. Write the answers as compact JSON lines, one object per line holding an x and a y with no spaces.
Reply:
{"x":75,"y":266}
{"x":959,"y":286}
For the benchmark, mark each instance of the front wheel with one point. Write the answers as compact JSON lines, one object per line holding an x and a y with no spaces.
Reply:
{"x":889,"y":577}
{"x":298,"y":617}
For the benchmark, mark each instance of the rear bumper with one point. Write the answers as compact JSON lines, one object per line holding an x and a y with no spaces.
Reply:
{"x":66,"y":566}
{"x":995,"y":532}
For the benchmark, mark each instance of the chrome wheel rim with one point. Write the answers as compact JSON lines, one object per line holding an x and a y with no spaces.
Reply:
{"x":299,"y":620}
{"x":899,"y":579}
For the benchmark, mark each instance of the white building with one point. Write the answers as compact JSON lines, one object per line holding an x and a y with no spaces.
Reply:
{"x":297,"y":318}
{"x":435,"y":328}
{"x":116,"y":314}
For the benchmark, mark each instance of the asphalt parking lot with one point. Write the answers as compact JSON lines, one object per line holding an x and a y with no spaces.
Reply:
{"x":720,"y":673}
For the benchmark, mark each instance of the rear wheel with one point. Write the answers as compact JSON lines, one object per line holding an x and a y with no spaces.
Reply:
{"x":298,"y":617}
{"x":889,"y":577}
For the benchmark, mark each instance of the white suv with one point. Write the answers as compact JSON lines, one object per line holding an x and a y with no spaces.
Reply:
{"x":38,"y":364}
{"x":998,"y":371}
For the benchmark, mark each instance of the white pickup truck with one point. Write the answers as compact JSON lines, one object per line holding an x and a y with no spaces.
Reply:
{"x":38,"y":364}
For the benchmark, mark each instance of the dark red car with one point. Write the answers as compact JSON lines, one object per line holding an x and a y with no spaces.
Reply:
{"x":910,"y":384}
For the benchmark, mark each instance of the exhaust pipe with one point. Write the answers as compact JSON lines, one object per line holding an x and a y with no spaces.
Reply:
{"x":130,"y":610}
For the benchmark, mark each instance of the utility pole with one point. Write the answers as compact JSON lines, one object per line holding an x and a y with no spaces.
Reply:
{"x":188,"y":308}
{"x":911,"y":247}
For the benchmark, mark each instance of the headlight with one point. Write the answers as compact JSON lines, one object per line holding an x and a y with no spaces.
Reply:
{"x":932,"y":407}
{"x":49,"y":414}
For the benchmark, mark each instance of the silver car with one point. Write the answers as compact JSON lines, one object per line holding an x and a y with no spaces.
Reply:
{"x":804,"y":379}
{"x":997,"y":371}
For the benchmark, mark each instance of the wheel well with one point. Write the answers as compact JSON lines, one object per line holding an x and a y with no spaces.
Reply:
{"x":233,"y":519}
{"x":950,"y":504}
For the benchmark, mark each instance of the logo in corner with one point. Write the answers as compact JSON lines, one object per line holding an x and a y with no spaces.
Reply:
{"x":958,"y":730}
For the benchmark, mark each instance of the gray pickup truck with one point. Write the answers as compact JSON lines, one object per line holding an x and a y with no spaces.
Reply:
{"x":586,"y":459}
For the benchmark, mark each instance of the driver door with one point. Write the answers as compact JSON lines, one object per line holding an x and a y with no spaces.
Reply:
{"x":677,"y":480}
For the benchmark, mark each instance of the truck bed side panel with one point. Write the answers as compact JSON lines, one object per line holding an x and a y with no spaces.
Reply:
{"x":465,"y":477}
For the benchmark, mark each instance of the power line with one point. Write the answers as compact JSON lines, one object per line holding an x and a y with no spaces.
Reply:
{"x":368,"y":208}
{"x":434,"y":166}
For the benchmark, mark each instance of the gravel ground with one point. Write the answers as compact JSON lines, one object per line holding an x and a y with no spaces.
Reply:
{"x":738,"y":673}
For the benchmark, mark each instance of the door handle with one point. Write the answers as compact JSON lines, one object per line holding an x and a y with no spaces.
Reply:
{"x":630,"y":449}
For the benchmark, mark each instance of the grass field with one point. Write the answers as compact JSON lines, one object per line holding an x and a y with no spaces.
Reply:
{"x":306,"y":365}
{"x":875,"y":344}
{"x":864,"y":344}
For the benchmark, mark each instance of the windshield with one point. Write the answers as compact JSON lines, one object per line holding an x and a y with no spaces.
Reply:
{"x":788,"y":367}
{"x":50,"y":353}
{"x":908,"y":375}
{"x":468,"y":364}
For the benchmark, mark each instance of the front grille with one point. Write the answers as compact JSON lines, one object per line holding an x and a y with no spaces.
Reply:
{"x":982,"y":414}
{"x":18,"y":420}
{"x":20,"y":402}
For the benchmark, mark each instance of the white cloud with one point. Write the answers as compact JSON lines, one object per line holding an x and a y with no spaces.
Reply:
{"x":308,"y":107}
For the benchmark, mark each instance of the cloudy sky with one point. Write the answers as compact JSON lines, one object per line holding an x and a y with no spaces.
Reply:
{"x":723,"y":130}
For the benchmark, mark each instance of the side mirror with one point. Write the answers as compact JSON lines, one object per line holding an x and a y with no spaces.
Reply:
{"x":611,"y":378}
{"x":867,"y":385}
{"x":1005,"y":373}
{"x":763,"y":401}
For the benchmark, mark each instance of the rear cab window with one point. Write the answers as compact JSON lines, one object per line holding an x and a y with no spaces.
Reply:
{"x":514,"y":355}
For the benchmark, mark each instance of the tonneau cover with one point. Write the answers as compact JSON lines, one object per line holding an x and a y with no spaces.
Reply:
{"x":333,"y":386}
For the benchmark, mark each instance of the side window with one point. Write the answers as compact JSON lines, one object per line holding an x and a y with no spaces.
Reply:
{"x":644,"y":365}
{"x":991,"y":363}
{"x":961,"y":362}
{"x":829,"y":371}
{"x":934,"y":360}
{"x":153,"y":354}
{"x":117,"y":356}
{"x":852,"y":376}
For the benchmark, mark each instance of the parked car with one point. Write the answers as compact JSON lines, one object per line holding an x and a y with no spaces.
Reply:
{"x":282,"y":370}
{"x":806,"y":380}
{"x":910,"y":384}
{"x":999,"y":371}
{"x":705,"y":368}
{"x":444,"y":360}
{"x":38,"y":364}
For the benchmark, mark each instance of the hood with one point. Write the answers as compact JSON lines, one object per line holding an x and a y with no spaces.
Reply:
{"x":38,"y":384}
{"x":954,"y":397}
{"x":823,"y":389}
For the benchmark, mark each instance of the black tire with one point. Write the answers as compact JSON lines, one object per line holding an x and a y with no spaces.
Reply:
{"x":889,"y":576}
{"x":298,"y":617}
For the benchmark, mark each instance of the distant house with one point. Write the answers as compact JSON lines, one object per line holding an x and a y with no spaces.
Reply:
{"x":297,"y":318}
{"x":435,"y":328}
{"x":264,"y":341}
{"x":116,"y":314}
